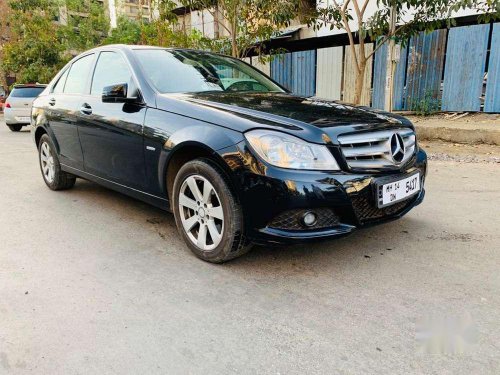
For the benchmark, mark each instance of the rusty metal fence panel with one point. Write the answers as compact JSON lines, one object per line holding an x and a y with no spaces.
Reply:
{"x":425,"y":67}
{"x":350,"y":76}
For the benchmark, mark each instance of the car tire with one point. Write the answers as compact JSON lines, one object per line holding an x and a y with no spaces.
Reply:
{"x":15,"y":128}
{"x":218,"y":211}
{"x":55,"y":178}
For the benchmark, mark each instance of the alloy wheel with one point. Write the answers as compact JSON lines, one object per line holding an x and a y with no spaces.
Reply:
{"x":47,"y":160}
{"x":201,"y":212}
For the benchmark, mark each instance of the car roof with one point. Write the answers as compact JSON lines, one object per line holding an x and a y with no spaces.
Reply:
{"x":140,"y":46}
{"x":131,"y":47}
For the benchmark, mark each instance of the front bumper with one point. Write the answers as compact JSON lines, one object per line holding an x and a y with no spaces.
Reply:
{"x":267,"y":193}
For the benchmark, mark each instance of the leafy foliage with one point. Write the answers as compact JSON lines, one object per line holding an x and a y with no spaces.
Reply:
{"x":427,"y":105}
{"x":46,"y":33}
{"x":4,"y":38}
{"x":126,"y":32}
{"x":34,"y":52}
{"x":245,"y":24}
{"x":156,"y":32}
{"x":86,"y":24}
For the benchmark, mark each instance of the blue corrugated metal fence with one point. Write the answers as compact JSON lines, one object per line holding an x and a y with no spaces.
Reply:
{"x":296,"y":71}
{"x":464,"y":71}
{"x":304,"y":73}
{"x":419,"y":73}
{"x":425,"y":67}
{"x":379,"y":72}
{"x":492,"y":100}
{"x":281,"y":70}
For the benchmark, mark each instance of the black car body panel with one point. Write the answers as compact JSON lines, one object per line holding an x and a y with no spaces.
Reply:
{"x":129,"y":147}
{"x":169,"y":132}
{"x":306,"y":118}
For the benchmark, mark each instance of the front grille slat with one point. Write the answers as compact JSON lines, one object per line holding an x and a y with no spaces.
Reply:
{"x":379,"y":136}
{"x":372,"y":150}
{"x":365,"y":151}
{"x":366,"y":164}
{"x":409,"y":141}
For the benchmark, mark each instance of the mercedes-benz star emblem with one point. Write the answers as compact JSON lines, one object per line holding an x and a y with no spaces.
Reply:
{"x":397,"y":148}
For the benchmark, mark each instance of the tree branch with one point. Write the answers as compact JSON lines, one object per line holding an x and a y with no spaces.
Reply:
{"x":385,"y":39}
{"x":216,"y":19}
{"x":363,"y":8}
{"x":349,"y":32}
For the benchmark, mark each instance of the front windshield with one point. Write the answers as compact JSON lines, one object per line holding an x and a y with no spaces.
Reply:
{"x":181,"y":71}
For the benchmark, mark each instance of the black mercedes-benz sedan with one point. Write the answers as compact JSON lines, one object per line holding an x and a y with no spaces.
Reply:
{"x":235,"y":156}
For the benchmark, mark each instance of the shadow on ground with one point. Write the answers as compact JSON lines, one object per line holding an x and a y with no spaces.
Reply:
{"x":366,"y":244}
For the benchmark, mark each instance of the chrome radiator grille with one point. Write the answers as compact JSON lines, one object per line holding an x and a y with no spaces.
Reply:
{"x":379,"y":149}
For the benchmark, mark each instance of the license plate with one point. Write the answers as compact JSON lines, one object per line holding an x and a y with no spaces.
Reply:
{"x":396,"y":191}
{"x":23,"y":118}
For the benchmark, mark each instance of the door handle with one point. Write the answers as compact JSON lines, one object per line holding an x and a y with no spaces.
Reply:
{"x":52,"y":102}
{"x":86,"y":109}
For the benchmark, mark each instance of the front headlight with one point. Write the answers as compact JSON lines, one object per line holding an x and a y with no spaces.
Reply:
{"x":285,"y":151}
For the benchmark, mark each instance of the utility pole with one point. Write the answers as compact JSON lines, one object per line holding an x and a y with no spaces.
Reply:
{"x":390,"y":62}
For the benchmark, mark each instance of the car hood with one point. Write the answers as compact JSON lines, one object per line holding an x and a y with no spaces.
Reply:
{"x":308,"y":118}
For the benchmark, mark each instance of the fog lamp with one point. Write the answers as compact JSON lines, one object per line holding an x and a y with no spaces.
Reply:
{"x":309,"y":219}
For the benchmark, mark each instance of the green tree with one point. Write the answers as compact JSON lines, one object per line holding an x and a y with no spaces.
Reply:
{"x":158,"y":32}
{"x":86,"y":24}
{"x":34,"y":51}
{"x":409,"y":18}
{"x":245,"y":24}
{"x":126,"y":32}
{"x":4,"y":38}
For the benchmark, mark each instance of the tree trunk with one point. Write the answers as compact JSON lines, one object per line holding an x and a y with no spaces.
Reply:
{"x":234,"y":46}
{"x":234,"y":42}
{"x":360,"y":80}
{"x":3,"y":81}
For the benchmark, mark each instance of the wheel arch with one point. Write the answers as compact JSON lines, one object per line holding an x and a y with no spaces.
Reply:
{"x":41,"y":129}
{"x":39,"y":132}
{"x":185,"y":152}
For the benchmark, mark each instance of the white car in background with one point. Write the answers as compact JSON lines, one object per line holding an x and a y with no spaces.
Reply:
{"x":17,"y":108}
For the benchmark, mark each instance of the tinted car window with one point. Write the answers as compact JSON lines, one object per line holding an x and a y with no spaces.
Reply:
{"x":26,"y":92}
{"x":78,"y":74}
{"x":111,"y":69}
{"x":59,"y":87}
{"x":173,"y":71}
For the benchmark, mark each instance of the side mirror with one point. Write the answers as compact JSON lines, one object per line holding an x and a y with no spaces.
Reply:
{"x":116,"y":94}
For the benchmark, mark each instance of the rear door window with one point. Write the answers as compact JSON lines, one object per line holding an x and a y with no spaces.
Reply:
{"x":76,"y":82}
{"x":59,"y":86}
{"x":26,"y":92}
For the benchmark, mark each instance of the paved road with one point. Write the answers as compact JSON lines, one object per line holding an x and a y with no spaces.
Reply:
{"x":94,"y":282}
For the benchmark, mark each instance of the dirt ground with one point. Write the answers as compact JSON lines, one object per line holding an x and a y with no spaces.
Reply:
{"x":450,"y":119}
{"x":446,"y":151}
{"x":94,"y":282}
